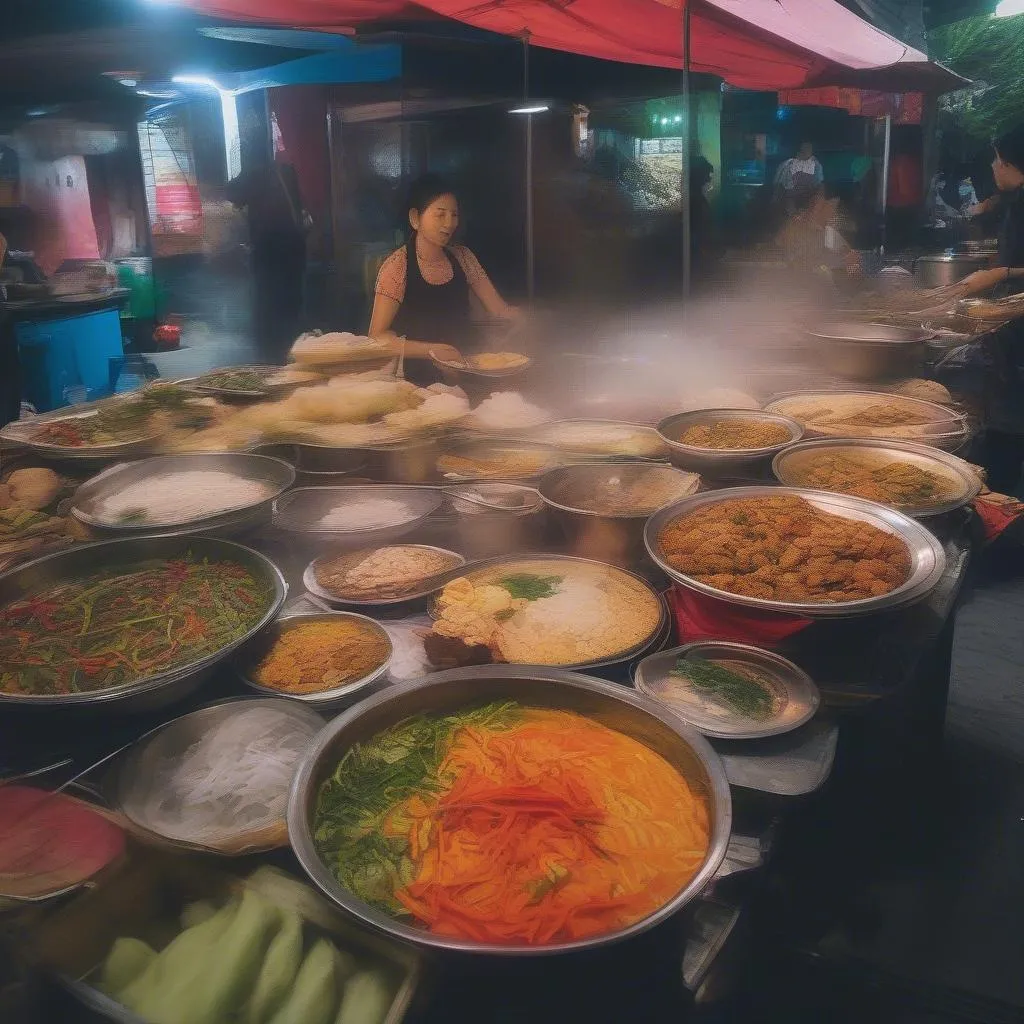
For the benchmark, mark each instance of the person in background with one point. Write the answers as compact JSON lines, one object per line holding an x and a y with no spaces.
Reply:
{"x":798,"y":174}
{"x":268,"y":191}
{"x":905,"y":196}
{"x":422,"y":296}
{"x":810,"y":240}
{"x":941,"y":208}
{"x":1002,"y":351}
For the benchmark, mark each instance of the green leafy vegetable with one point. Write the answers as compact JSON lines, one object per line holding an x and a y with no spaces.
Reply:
{"x":530,"y":586}
{"x":742,"y":694}
{"x":370,"y":781}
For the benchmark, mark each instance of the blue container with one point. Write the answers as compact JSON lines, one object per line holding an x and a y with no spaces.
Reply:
{"x":59,"y":354}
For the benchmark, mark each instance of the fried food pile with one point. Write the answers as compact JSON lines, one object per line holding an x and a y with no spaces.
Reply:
{"x":726,"y":434}
{"x":785,"y":549}
{"x":892,"y":483}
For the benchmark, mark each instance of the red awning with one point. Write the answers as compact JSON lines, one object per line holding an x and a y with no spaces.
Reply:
{"x":902,"y":107}
{"x":754,"y":44}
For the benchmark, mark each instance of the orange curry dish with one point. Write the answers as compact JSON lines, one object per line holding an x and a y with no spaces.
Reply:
{"x":785,"y":549}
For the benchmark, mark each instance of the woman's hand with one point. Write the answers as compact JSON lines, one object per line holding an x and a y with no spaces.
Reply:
{"x":982,"y":280}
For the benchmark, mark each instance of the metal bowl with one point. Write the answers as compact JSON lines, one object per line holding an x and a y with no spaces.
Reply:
{"x":869,"y":351}
{"x":610,"y":704}
{"x":275,"y":473}
{"x":791,"y":466}
{"x":249,"y":656}
{"x":618,"y":538}
{"x":469,"y":370}
{"x":312,"y":584}
{"x":163,"y":688}
{"x":722,"y":461}
{"x":302,"y":509}
{"x":797,"y":694}
{"x":927,"y":556}
{"x":494,"y":498}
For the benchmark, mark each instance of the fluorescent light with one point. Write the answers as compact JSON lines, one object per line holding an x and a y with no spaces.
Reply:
{"x":209,"y":83}
{"x":529,"y":110}
{"x":229,"y":113}
{"x":157,"y":94}
{"x":1009,"y":8}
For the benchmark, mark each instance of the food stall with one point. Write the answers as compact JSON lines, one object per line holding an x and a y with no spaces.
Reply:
{"x":271,"y":582}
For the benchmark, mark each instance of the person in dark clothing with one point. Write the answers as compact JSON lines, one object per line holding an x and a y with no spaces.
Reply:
{"x":422,"y":297}
{"x":1002,"y":351}
{"x":269,"y":193}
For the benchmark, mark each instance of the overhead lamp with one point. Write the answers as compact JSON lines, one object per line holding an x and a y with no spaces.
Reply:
{"x":229,"y":112}
{"x":529,"y":110}
{"x":1009,"y":8}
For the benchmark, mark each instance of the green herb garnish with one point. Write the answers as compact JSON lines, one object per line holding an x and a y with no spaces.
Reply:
{"x":371,"y":780}
{"x":135,"y":515}
{"x":530,"y":586}
{"x":741,"y":694}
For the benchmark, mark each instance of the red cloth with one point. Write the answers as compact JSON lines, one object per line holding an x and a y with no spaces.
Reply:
{"x":755,"y":44}
{"x":698,"y":617}
{"x":906,"y":185}
{"x":997,"y":512}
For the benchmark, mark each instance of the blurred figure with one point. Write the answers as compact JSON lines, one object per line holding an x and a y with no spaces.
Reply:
{"x":810,"y":240}
{"x":941,"y":207}
{"x":798,"y":174}
{"x":905,"y":196}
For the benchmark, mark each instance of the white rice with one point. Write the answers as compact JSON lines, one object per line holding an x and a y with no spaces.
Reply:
{"x":365,"y":514}
{"x":176,"y":497}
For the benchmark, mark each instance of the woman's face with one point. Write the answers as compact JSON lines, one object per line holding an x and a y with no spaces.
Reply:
{"x":437,"y":223}
{"x":1007,"y":176}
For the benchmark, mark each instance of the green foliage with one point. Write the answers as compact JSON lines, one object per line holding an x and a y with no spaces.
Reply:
{"x":988,"y":51}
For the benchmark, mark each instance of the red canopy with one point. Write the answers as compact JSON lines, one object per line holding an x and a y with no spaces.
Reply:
{"x":755,"y":44}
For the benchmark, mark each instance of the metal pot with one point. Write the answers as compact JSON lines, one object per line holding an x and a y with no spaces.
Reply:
{"x":615,"y":706}
{"x":859,"y":351}
{"x":941,"y":270}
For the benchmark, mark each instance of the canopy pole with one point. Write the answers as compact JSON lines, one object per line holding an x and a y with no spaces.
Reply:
{"x":687,"y":136}
{"x":530,"y":256}
{"x":886,"y":152}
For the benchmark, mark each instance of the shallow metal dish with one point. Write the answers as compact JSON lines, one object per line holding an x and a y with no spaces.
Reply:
{"x":301,"y":510}
{"x":791,"y":465}
{"x":549,"y":458}
{"x":469,"y":370}
{"x":790,"y":682}
{"x":165,"y":687}
{"x":610,"y":537}
{"x":927,"y":556}
{"x":247,"y":657}
{"x":614,"y":706}
{"x":275,"y":473}
{"x":310,"y":582}
{"x":529,"y":563}
{"x":553,"y":434}
{"x":718,"y":461}
{"x":485,"y":498}
{"x":945,"y":428}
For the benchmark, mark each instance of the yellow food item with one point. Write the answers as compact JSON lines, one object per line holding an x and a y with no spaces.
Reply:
{"x":785,"y":549}
{"x":470,"y":612}
{"x":726,"y":434}
{"x":33,"y":488}
{"x":497,"y":360}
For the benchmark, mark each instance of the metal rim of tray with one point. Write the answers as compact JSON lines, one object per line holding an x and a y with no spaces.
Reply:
{"x":127,"y":691}
{"x":621,"y":658}
{"x":792,"y":675}
{"x":928,"y":557}
{"x":971,"y":482}
{"x":310,"y":582}
{"x":95,"y":489}
{"x":242,"y":659}
{"x":300,"y":825}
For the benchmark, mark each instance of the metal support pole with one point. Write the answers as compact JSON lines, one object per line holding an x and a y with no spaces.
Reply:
{"x":530,"y":257}
{"x":885,"y":176}
{"x":687,"y":136}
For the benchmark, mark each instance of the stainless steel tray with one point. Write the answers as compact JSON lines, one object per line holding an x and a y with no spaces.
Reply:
{"x":928,"y":558}
{"x":787,"y":467}
{"x":275,"y":473}
{"x":709,"y":460}
{"x":301,"y":509}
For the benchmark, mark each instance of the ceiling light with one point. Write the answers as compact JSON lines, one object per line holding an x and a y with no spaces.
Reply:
{"x":529,"y":110}
{"x":1009,"y":8}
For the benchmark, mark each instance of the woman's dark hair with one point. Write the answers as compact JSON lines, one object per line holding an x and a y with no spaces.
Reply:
{"x":1010,"y":147}
{"x":425,"y":190}
{"x":805,"y":197}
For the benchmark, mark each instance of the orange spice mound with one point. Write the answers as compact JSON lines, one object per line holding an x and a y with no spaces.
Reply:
{"x":554,"y":830}
{"x":726,"y":434}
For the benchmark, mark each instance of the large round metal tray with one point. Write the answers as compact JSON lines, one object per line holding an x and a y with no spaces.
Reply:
{"x":275,"y":473}
{"x":517,"y":563}
{"x":706,"y":460}
{"x":943,"y":427}
{"x":788,"y":464}
{"x":610,"y":704}
{"x":799,"y":697}
{"x":927,"y":556}
{"x":164,"y":687}
{"x":433,"y":583}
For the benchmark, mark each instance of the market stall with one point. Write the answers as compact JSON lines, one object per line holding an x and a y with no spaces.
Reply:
{"x":338,"y":625}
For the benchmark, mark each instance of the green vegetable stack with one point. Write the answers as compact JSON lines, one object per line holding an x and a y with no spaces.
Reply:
{"x":244,"y":963}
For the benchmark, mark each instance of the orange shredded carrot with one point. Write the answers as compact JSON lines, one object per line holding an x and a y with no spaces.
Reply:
{"x":556,"y":829}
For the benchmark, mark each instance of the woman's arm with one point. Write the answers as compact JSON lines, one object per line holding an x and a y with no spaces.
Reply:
{"x":983,"y":280}
{"x":985,"y":206}
{"x":482,"y":287}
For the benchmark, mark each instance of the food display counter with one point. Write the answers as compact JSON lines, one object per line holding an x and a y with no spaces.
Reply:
{"x":510,"y":558}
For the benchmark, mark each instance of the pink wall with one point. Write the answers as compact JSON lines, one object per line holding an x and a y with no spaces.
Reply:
{"x":58,"y":192}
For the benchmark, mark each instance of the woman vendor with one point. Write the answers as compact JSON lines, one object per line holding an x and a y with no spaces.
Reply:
{"x":1002,"y":351}
{"x":423,"y":289}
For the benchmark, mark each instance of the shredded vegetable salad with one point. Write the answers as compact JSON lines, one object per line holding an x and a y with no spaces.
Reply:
{"x":511,"y":825}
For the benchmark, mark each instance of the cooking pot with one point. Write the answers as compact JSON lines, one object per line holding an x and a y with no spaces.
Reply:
{"x":941,"y":270}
